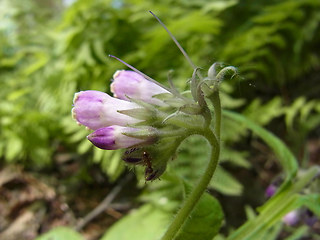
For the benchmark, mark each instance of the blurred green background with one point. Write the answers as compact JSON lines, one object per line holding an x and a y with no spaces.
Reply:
{"x":51,"y":49}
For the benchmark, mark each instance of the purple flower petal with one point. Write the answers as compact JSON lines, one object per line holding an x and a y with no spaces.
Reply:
{"x":112,"y":137}
{"x":96,"y":110}
{"x":133,"y":85}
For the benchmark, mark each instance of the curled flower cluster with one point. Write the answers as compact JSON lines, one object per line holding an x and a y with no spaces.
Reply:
{"x":133,"y":119}
{"x":145,"y":117}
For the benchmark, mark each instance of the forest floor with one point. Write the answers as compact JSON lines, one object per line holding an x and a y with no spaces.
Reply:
{"x":33,"y":202}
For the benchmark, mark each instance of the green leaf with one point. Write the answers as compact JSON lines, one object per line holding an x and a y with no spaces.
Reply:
{"x":299,"y":233}
{"x":193,"y":155}
{"x":219,"y":237}
{"x":250,"y":213}
{"x":204,"y":222}
{"x":273,"y":232}
{"x":285,"y":201}
{"x":98,"y":50}
{"x":293,"y":110}
{"x":263,"y":114}
{"x":84,"y":146}
{"x":150,"y":221}
{"x":110,"y":161}
{"x":235,"y":157}
{"x":146,"y":223}
{"x":61,"y":233}
{"x":42,"y":60}
{"x":115,"y":165}
{"x":312,"y":202}
{"x":14,"y":147}
{"x":85,"y":55}
{"x":285,"y":156}
{"x":18,"y":93}
{"x":219,"y":6}
{"x":225,"y":183}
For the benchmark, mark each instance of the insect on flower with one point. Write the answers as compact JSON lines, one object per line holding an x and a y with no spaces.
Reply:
{"x":133,"y":156}
{"x":140,"y":156}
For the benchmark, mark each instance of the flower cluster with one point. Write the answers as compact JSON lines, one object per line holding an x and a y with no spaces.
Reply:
{"x":135,"y":119}
{"x":147,"y":118}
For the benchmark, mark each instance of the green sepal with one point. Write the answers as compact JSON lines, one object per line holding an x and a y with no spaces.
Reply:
{"x":159,"y":155}
{"x":189,"y":121}
{"x":214,"y":70}
{"x":225,"y":72}
{"x":192,"y":109}
{"x":163,"y":96}
{"x":138,"y":113}
{"x":144,"y":133}
{"x":148,"y":106}
{"x":206,"y":88}
{"x":174,"y":102}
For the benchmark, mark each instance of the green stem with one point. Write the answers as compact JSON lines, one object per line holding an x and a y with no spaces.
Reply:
{"x":197,"y":192}
{"x":195,"y":195}
{"x":215,"y":99}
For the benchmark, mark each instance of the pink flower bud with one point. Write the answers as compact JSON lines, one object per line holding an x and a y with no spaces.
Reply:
{"x":96,"y":110}
{"x":112,"y":137}
{"x":129,"y":83}
{"x":291,"y":218}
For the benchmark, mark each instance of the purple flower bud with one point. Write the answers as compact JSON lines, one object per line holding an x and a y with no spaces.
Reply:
{"x":112,"y":137}
{"x":96,"y":110}
{"x":271,"y":190}
{"x":291,"y":218}
{"x":131,"y":84}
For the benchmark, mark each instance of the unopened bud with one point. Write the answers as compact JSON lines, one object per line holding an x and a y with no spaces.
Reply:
{"x":133,"y":85}
{"x":114,"y":137}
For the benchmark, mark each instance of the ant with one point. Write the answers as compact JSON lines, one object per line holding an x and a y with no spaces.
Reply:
{"x":137,"y":156}
{"x":149,"y":173}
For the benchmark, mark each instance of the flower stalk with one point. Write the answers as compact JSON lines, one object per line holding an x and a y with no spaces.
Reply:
{"x":195,"y":195}
{"x":215,"y":100}
{"x":198,"y":190}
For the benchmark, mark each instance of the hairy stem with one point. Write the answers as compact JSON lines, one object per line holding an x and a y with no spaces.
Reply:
{"x":215,"y":99}
{"x":194,"y":197}
{"x":197,"y":192}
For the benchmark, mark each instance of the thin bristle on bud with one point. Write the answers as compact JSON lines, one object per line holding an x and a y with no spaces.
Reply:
{"x":178,"y":44}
